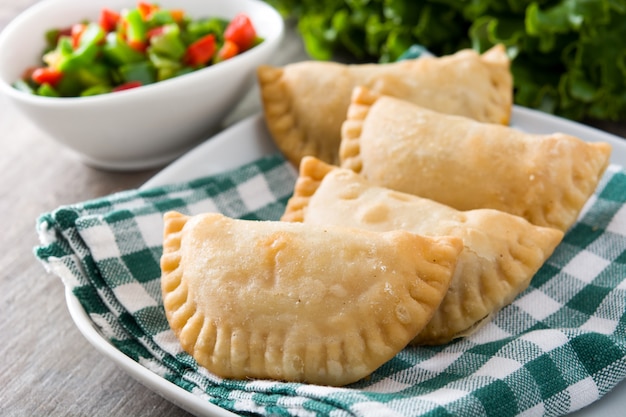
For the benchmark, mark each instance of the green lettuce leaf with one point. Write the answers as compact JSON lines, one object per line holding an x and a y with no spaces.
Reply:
{"x":568,"y":57}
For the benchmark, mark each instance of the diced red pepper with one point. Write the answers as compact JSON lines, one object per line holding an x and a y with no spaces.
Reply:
{"x":127,"y":86}
{"x":228,"y":50}
{"x":108,"y":19}
{"x":241,"y":31}
{"x":28,"y":73}
{"x":139,"y":46}
{"x":155,"y":31}
{"x":46,"y":75}
{"x":201,"y":51}
{"x":77,"y":31}
{"x":146,"y":9}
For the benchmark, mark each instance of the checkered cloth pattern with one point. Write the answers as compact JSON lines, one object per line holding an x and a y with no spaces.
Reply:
{"x":559,"y":346}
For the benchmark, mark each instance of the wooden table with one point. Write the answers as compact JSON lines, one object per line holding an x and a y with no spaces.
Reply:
{"x":47,"y":367}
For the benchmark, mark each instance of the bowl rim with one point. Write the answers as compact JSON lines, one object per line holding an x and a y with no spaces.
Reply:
{"x":277,"y":32}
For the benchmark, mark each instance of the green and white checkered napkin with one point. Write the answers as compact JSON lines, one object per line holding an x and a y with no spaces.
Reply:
{"x":558,"y":347}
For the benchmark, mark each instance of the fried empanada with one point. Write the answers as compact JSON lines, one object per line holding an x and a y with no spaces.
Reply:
{"x":466,"y":165}
{"x":501,"y":252}
{"x":305,"y":103}
{"x":296,"y":302}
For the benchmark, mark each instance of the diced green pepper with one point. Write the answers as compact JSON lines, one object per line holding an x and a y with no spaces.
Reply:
{"x":92,"y":34}
{"x":167,"y":68}
{"x":119,"y":52}
{"x":136,"y":29}
{"x":92,"y":75}
{"x":87,"y":51}
{"x":116,"y":77}
{"x":84,"y":55}
{"x":64,"y":47}
{"x":160,"y":18}
{"x":168,"y":43}
{"x":47,"y":90}
{"x":199,"y":28}
{"x":185,"y":70}
{"x":144,"y":72}
{"x":70,"y":85}
{"x":96,"y":90}
{"x":162,"y":62}
{"x":165,"y":73}
{"x":52,"y":37}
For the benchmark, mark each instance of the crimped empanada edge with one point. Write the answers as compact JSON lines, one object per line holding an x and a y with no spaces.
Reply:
{"x":173,"y":223}
{"x":277,"y":111}
{"x":587,"y":168}
{"x":312,"y":172}
{"x":350,"y":148}
{"x":173,"y":287}
{"x":598,"y":162}
{"x":538,"y":245}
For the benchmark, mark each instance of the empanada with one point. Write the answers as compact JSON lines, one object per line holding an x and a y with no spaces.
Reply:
{"x":501,"y":252}
{"x":465,"y":164}
{"x":305,"y":103}
{"x":295,"y":302}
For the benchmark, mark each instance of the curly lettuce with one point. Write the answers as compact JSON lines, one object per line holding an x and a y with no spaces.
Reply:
{"x":568,"y":57}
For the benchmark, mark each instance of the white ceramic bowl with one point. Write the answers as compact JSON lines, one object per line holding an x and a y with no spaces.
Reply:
{"x":143,"y":127}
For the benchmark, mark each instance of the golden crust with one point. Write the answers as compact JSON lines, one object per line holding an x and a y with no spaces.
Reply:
{"x":305,"y":103}
{"x":295,"y":302}
{"x":465,"y":164}
{"x":500,"y":256}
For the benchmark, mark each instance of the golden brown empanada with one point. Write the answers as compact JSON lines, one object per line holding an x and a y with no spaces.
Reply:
{"x":465,"y":164}
{"x":295,"y":302}
{"x":501,"y":252}
{"x":305,"y":103}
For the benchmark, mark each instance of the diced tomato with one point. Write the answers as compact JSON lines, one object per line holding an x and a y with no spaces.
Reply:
{"x":127,"y":86}
{"x":146,"y":9}
{"x":228,"y":50}
{"x":241,"y":31}
{"x":28,"y":73}
{"x":65,"y":32}
{"x":155,"y":31}
{"x":177,"y":14}
{"x":46,"y":75}
{"x":77,"y":31}
{"x":139,"y":46}
{"x":201,"y":51}
{"x":108,"y":19}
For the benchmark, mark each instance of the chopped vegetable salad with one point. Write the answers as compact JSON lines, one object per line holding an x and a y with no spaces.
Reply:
{"x":132,"y":48}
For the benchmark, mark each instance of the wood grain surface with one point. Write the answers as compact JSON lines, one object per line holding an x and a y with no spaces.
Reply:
{"x":46,"y":366}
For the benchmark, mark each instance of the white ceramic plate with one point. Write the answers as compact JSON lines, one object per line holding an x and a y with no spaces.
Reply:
{"x":249,"y":140}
